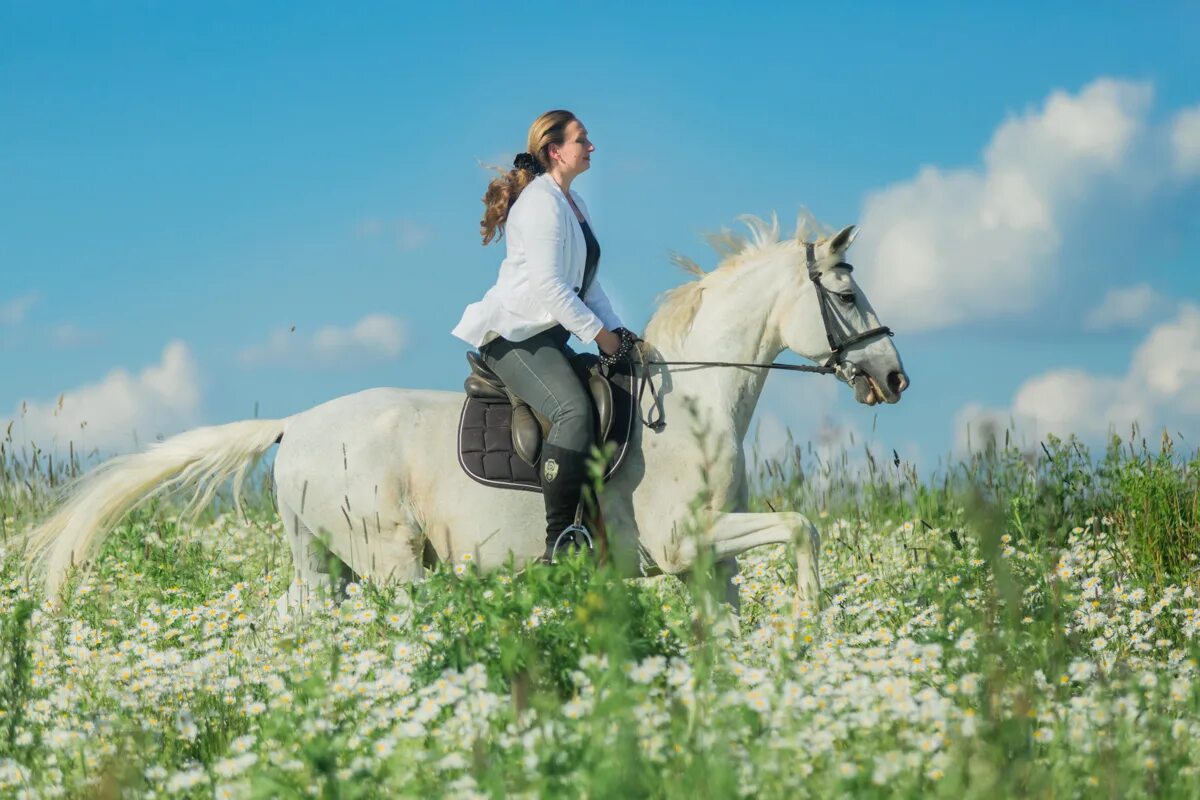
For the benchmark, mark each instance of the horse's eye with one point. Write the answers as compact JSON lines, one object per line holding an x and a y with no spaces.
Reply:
{"x":847,"y":297}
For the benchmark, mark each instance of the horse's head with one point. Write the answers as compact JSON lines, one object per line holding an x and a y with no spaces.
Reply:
{"x":823,"y":315}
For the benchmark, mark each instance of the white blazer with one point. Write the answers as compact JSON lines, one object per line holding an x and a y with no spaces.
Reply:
{"x":540,"y":275}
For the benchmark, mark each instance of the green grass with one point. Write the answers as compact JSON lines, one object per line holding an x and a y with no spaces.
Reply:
{"x":1019,"y":624}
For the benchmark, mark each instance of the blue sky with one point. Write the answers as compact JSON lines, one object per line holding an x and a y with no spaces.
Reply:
{"x":180,"y":184}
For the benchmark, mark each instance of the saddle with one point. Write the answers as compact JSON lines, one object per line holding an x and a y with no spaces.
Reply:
{"x":500,"y":436}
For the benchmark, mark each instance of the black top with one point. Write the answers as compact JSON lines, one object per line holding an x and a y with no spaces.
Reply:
{"x":591,"y":260}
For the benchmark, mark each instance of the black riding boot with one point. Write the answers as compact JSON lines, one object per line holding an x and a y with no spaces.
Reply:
{"x":562,"y":475}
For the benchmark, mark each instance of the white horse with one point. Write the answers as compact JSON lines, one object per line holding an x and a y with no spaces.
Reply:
{"x":373,"y":478}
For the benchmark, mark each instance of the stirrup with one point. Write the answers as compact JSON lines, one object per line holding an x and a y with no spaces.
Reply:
{"x":574,"y":531}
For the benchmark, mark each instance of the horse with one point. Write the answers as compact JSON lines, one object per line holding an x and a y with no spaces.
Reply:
{"x":369,"y":484}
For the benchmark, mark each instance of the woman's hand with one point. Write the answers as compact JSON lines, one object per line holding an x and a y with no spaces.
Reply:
{"x":607,"y":341}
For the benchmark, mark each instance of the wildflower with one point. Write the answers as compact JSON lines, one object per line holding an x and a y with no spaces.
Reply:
{"x":186,"y":779}
{"x":453,"y":761}
{"x":1081,"y":671}
{"x":754,"y":676}
{"x":575,"y":709}
{"x":647,"y":670}
{"x":932,"y":743}
{"x":756,"y":700}
{"x":242,"y":744}
{"x":230,"y":791}
{"x":232,"y":767}
{"x":187,"y":726}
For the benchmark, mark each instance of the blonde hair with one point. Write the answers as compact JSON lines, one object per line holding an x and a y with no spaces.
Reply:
{"x":550,"y":128}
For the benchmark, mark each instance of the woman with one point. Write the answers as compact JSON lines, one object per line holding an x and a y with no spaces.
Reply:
{"x":546,"y":290}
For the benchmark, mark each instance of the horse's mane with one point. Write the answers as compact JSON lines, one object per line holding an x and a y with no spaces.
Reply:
{"x":677,"y":307}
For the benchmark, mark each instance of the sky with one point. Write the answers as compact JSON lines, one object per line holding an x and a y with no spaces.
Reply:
{"x":213,"y":211}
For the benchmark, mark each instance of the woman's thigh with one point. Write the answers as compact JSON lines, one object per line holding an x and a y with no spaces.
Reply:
{"x":537,"y":371}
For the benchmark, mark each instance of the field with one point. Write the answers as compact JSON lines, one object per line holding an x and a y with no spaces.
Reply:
{"x":1018,"y":624}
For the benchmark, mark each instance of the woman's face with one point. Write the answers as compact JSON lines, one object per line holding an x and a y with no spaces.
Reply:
{"x":574,"y":155}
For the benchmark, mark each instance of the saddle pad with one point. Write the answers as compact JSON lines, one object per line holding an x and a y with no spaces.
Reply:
{"x":485,"y":449}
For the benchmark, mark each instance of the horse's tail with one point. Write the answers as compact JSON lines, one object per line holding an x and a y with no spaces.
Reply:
{"x":92,"y":504}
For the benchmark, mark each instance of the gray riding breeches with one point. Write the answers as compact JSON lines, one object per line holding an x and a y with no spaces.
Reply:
{"x":537,"y":370}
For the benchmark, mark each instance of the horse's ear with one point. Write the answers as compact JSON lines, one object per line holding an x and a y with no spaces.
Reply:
{"x":843,"y":239}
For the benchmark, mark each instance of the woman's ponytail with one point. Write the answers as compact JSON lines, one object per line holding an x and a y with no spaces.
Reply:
{"x":550,"y":128}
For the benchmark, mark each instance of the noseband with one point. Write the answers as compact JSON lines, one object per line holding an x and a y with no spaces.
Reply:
{"x":836,"y":364}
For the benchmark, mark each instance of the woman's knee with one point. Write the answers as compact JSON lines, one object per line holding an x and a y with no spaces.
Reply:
{"x":573,"y":422}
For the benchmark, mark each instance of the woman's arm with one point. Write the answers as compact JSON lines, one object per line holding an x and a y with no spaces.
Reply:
{"x":597,"y":300}
{"x":543,"y":236}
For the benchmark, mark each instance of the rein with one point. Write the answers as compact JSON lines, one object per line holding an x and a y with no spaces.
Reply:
{"x":836,"y":364}
{"x":822,"y":370}
{"x":643,"y":380}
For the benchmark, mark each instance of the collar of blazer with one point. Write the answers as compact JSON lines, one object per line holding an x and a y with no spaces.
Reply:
{"x":548,"y":184}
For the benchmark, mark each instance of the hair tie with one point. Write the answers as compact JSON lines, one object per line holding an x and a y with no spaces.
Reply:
{"x":528,"y":163}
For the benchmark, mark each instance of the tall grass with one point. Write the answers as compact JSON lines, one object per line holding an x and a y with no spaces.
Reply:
{"x":579,"y":683}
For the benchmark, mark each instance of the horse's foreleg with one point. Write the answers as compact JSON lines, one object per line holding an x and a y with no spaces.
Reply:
{"x":732,"y":534}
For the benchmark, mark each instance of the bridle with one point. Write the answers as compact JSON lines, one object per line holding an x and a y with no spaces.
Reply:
{"x":836,"y":364}
{"x":836,"y":346}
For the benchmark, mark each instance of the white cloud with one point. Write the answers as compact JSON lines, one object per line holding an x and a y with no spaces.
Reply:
{"x":12,"y":312}
{"x":1161,"y":386}
{"x":66,"y":335}
{"x":374,"y":337}
{"x":950,"y":246}
{"x":162,"y":399}
{"x":1125,"y":307}
{"x":1185,"y":141}
{"x":408,"y":234}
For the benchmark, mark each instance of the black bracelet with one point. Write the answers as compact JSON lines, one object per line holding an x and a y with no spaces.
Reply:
{"x":628,"y":340}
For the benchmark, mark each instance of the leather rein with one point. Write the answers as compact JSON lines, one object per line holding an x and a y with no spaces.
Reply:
{"x":836,"y":364}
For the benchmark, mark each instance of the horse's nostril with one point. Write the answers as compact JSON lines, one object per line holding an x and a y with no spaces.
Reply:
{"x":897,"y":382}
